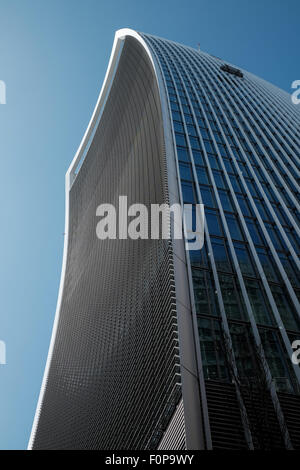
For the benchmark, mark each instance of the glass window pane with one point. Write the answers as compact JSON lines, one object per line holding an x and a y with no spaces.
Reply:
{"x":258,"y":303}
{"x":213,"y":162}
{"x":226,"y":201}
{"x":202,"y":175}
{"x":235,"y":184}
{"x":275,"y":359}
{"x":198,"y":158}
{"x":207,"y":197}
{"x":220,"y":255}
{"x":219,"y":180}
{"x":212,"y":349}
{"x":180,"y":139}
{"x":288,"y":316}
{"x":254,"y":232}
{"x":228,"y":166}
{"x":195,"y":144}
{"x":234,"y":227}
{"x":267,"y":264}
{"x":233,"y":306}
{"x":187,"y":193}
{"x":204,"y":292}
{"x":244,"y":206}
{"x":183,"y":154}
{"x":178,"y":126}
{"x":208,"y":146}
{"x":244,"y":259}
{"x":243,"y":351}
{"x":213,"y":223}
{"x":185,"y":171}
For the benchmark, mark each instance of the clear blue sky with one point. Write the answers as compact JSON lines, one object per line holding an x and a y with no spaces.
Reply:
{"x":53,"y":57}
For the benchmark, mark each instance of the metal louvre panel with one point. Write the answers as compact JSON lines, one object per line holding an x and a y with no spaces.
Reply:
{"x":113,"y":381}
{"x":225,"y":418}
{"x":291,"y":407}
{"x":174,"y":437}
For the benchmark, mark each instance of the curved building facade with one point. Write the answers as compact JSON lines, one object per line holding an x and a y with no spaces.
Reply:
{"x":153,"y":346}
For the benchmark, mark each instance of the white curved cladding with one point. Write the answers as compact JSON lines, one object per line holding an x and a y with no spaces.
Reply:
{"x":70,"y":177}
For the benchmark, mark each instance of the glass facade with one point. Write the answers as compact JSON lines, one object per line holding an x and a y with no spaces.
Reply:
{"x":136,"y":362}
{"x":237,"y":143}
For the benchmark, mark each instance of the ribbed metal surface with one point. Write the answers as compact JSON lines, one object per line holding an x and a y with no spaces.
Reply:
{"x":225,"y":418}
{"x":114,"y":380}
{"x":174,"y":436}
{"x":264,"y":423}
{"x":291,"y":407}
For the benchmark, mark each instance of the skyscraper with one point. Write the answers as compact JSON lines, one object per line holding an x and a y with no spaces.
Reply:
{"x":153,"y":346}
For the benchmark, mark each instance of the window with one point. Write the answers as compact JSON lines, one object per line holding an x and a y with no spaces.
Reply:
{"x":290,"y":269}
{"x":178,"y":126}
{"x":198,"y":158}
{"x":208,"y":146}
{"x":262,"y":210}
{"x":183,"y":154}
{"x":223,"y":150}
{"x":228,"y":166}
{"x":252,"y":187}
{"x":242,"y":343}
{"x":186,"y":108}
{"x":243,"y":256}
{"x":180,"y":139}
{"x":191,"y":130}
{"x":235,"y":184}
{"x":201,"y":123}
{"x":213,"y":162}
{"x":202,"y":175}
{"x":204,"y":133}
{"x":194,"y":143}
{"x":234,"y":227}
{"x":219,"y":179}
{"x":226,"y":201}
{"x":294,"y":240}
{"x":220,"y":255}
{"x":187,"y":193}
{"x":275,"y":237}
{"x":231,"y":299}
{"x":255,"y":233}
{"x":212,"y":349}
{"x":204,"y":291}
{"x":285,"y":309}
{"x":188,"y":119}
{"x":258,"y":303}
{"x":244,"y":206}
{"x":213,"y":223}
{"x":199,"y":257}
{"x":174,"y":106}
{"x":207,"y":197}
{"x":267,"y":264}
{"x":275,"y":358}
{"x":176,"y":115}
